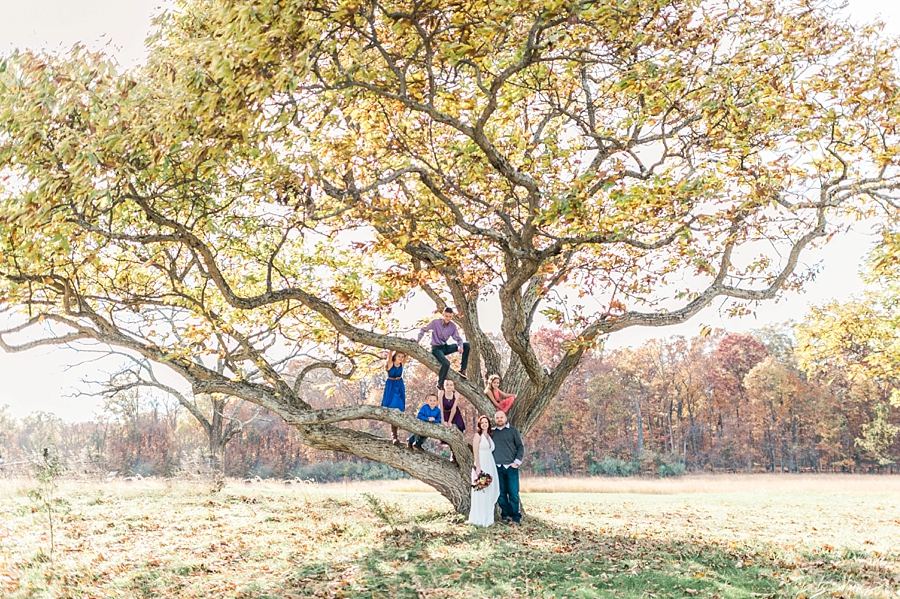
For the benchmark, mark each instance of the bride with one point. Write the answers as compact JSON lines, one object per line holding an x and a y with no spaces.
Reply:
{"x":482,"y":511}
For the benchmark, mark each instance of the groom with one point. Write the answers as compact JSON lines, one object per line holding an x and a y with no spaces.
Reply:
{"x":508,"y":453}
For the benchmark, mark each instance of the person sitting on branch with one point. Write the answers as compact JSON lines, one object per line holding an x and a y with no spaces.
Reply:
{"x":502,"y":401}
{"x":453,"y":416}
{"x":442,"y":330}
{"x":429,"y":412}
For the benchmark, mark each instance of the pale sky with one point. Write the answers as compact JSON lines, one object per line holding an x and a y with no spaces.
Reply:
{"x":45,"y":379}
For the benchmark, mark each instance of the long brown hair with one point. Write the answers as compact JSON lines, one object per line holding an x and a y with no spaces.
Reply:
{"x":489,"y":389}
{"x":478,"y":425}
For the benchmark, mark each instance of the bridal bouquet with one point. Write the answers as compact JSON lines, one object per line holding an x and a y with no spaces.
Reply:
{"x":482,"y":481}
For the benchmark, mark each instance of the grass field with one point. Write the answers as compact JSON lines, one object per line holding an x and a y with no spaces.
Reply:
{"x":712,"y":536}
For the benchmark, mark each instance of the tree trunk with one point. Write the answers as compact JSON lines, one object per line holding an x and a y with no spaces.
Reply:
{"x":216,"y":438}
{"x":672,"y":431}
{"x":640,"y":428}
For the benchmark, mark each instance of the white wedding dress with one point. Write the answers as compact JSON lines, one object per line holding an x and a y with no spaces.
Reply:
{"x":482,"y":511}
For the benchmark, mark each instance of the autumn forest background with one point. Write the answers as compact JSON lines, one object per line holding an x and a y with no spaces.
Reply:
{"x":815,"y":396}
{"x":258,"y":218}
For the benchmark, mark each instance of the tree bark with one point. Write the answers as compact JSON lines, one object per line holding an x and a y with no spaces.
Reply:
{"x":450,"y":480}
{"x":640,"y":428}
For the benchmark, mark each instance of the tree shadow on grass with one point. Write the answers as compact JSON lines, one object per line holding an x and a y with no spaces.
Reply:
{"x":542,"y":559}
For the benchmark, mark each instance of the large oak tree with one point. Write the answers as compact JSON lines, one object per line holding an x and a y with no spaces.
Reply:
{"x":294,"y":171}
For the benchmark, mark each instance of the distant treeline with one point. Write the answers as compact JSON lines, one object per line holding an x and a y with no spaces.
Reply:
{"x":719,"y":402}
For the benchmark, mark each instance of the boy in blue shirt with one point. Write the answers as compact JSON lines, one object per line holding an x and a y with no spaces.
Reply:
{"x":429,"y":412}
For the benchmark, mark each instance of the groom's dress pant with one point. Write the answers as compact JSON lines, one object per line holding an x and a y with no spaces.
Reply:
{"x":509,"y":493}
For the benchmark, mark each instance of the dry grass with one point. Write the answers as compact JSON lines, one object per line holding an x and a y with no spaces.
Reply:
{"x":718,"y":537}
{"x":701,"y":483}
{"x":719,"y":483}
{"x":690,"y":484}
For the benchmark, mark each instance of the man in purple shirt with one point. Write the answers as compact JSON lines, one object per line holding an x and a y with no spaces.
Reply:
{"x":442,"y":330}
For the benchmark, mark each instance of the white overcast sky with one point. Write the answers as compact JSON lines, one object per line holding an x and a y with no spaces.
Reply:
{"x":45,"y":379}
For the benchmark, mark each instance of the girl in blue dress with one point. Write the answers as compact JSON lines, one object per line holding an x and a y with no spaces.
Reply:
{"x":394,"y":389}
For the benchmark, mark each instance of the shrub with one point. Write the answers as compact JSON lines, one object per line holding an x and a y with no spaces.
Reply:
{"x":328,"y":472}
{"x":670,"y":469}
{"x":538,"y":467}
{"x":387,"y":513}
{"x":610,"y":466}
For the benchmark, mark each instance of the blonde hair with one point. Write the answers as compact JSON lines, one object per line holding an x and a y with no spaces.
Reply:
{"x":490,"y":379}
